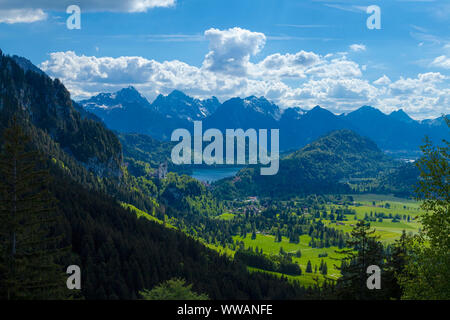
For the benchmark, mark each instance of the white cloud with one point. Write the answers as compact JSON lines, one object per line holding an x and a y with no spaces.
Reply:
{"x":293,"y":79}
{"x":384,"y":80}
{"x":88,"y":5}
{"x":424,"y":96}
{"x":442,"y":62}
{"x":11,"y":16}
{"x":335,"y":68}
{"x":286,"y":66}
{"x":357,"y":47}
{"x":230,"y":50}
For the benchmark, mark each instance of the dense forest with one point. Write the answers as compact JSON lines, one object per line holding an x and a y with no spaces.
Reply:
{"x":120,"y":254}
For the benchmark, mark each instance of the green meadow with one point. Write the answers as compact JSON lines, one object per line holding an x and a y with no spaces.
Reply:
{"x":387,"y":231}
{"x":269,"y":246}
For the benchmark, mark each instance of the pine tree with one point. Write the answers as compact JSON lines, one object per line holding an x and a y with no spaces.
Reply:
{"x":395,"y":266}
{"x":324,"y":270}
{"x":173,"y":289}
{"x":309,"y":267}
{"x":278,"y":238}
{"x":364,"y":250}
{"x":28,"y":246}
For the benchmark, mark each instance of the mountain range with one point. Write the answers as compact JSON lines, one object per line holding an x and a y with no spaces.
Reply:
{"x":129,"y":112}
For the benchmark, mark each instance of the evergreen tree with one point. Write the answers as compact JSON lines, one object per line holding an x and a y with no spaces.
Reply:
{"x":364,"y":250}
{"x":29,"y":247}
{"x":395,"y":266}
{"x":308,"y":267}
{"x":174,"y":289}
{"x":427,"y":274}
{"x":278,"y":238}
{"x":324,"y":270}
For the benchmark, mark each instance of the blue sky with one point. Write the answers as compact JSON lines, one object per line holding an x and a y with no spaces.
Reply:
{"x":296,"y":53}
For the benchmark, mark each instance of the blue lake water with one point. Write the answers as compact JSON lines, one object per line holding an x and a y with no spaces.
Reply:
{"x":213,"y":174}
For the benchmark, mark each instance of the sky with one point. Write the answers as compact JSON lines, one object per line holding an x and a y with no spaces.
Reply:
{"x":294,"y":52}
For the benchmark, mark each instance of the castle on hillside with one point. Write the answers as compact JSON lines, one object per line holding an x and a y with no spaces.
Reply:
{"x":162,"y":170}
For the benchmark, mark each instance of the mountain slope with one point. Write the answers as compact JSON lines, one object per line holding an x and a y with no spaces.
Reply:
{"x":179,"y":105}
{"x":140,"y":150}
{"x":311,"y":125}
{"x":401,"y":116}
{"x":318,"y":167}
{"x":251,"y":112}
{"x":46,"y":103}
{"x":396,"y":131}
{"x":128,"y":111}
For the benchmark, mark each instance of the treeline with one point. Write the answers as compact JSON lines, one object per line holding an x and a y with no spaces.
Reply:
{"x":277,"y":263}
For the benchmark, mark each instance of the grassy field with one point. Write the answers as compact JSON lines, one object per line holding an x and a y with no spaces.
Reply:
{"x":142,"y":214}
{"x":307,"y":279}
{"x":225,"y":216}
{"x":269,"y":246}
{"x":388,"y":231}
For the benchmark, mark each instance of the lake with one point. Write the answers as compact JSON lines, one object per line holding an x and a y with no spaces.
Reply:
{"x":214,"y":174}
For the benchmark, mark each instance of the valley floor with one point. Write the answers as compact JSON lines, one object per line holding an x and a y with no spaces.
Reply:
{"x":366,"y":206}
{"x":388,"y":215}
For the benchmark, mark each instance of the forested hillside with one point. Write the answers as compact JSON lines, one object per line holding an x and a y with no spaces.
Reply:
{"x":118,"y":253}
{"x":47,"y":105}
{"x":319,"y":167}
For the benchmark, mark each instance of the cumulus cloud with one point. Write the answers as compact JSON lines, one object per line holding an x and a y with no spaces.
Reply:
{"x":11,"y":16}
{"x":230,"y":50}
{"x":357,"y":47}
{"x":89,"y":74}
{"x":293,"y":79}
{"x":88,"y":5}
{"x":336,"y":68}
{"x":441,"y":61}
{"x":384,"y":80}
{"x":287,"y":65}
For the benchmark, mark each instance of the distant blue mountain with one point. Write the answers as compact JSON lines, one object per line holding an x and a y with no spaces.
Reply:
{"x":401,"y":116}
{"x":396,"y":131}
{"x":177,"y":104}
{"x":251,"y":112}
{"x":128,"y":111}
